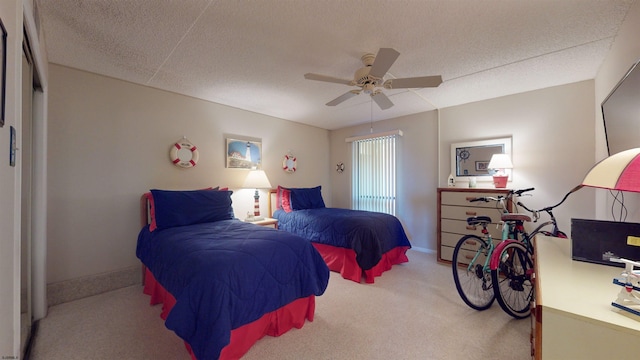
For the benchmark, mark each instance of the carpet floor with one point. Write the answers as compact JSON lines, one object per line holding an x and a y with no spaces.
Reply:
{"x":411,"y":312}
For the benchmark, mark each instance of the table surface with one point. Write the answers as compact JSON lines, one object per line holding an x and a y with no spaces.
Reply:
{"x":579,"y":289}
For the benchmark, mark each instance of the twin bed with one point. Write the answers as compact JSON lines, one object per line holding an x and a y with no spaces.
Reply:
{"x":225,"y":283}
{"x":357,"y":244}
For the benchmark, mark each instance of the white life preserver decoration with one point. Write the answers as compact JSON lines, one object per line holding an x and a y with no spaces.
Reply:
{"x":289,"y":163}
{"x":178,"y":153}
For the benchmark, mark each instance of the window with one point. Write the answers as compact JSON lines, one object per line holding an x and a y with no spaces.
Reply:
{"x":374,"y":172}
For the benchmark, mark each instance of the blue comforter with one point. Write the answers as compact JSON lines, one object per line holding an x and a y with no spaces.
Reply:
{"x":369,"y":234}
{"x":227,"y":274}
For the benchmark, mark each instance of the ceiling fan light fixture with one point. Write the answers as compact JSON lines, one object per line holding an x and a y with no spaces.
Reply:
{"x":361,"y":75}
{"x":371,"y":76}
{"x":369,"y":88}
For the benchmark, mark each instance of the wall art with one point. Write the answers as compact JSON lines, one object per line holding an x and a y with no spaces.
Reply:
{"x":244,"y":153}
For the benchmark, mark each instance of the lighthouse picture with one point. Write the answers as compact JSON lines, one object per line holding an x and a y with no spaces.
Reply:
{"x":244,"y":154}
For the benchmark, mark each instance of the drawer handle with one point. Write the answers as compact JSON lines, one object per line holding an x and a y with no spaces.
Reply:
{"x":471,"y":213}
{"x":469,"y":227}
{"x":469,"y":257}
{"x":470,"y":242}
{"x":469,"y":198}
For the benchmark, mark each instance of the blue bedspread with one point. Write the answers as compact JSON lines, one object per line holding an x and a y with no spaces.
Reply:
{"x":227,"y":274}
{"x":369,"y":234}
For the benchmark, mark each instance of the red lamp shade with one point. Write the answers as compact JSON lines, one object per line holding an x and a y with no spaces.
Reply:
{"x":620,"y":171}
{"x":500,"y":162}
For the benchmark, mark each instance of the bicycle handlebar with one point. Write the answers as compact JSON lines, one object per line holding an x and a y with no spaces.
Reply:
{"x":549,"y":208}
{"x":501,"y":198}
{"x":520,"y":192}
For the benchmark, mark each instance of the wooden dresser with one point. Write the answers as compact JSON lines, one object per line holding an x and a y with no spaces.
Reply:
{"x":453,"y":210}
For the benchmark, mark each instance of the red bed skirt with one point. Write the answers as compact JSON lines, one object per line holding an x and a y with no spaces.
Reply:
{"x":274,"y":323}
{"x":343,"y":260}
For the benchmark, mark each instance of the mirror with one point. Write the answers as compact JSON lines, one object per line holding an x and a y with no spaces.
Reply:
{"x":471,"y":158}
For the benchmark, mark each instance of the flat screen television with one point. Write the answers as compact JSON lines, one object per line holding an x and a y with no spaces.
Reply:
{"x":621,"y":113}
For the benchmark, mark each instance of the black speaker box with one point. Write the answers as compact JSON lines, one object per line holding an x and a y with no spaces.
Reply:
{"x":597,"y":241}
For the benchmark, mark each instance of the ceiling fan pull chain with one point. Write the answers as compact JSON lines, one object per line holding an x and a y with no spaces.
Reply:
{"x":371,"y":130}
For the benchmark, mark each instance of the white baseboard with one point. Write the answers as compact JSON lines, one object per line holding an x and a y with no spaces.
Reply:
{"x":74,"y":289}
{"x":423,"y":250}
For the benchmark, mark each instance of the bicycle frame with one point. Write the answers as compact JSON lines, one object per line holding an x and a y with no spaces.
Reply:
{"x":510,"y":232}
{"x":526,"y":237}
{"x":490,"y":251}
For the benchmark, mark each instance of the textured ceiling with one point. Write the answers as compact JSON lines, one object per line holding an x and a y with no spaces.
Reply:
{"x":253,"y":54}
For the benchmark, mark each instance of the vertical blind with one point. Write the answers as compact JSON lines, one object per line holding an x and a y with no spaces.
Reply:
{"x":374,"y":173}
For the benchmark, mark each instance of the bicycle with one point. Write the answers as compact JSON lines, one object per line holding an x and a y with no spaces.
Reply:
{"x":512,"y":263}
{"x":472,"y":257}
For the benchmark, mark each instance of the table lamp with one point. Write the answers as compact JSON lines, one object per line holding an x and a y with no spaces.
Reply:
{"x":256,"y":179}
{"x":500,"y":162}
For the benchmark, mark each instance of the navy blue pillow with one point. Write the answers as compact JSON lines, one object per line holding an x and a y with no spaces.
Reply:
{"x":306,"y":198}
{"x":179,"y":208}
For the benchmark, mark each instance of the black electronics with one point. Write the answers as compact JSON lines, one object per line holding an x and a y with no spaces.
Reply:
{"x":596,"y":241}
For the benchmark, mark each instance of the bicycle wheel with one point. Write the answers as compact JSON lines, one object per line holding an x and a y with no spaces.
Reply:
{"x":512,"y":280}
{"x":473,"y":280}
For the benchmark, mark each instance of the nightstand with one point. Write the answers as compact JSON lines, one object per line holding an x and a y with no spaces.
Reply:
{"x":267,"y":222}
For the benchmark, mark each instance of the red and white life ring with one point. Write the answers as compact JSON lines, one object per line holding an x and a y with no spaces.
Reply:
{"x":289,"y":163}
{"x":175,"y":154}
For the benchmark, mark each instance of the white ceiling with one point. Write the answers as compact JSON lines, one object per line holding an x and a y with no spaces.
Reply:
{"x":252,"y":54}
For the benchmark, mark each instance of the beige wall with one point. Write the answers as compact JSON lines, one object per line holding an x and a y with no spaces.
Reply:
{"x":553,"y":147}
{"x":552,"y":142}
{"x":109,"y":142}
{"x":624,"y":52}
{"x":417,"y":175}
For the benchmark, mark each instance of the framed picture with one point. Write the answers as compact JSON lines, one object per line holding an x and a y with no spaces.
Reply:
{"x":244,"y":153}
{"x":482,"y":166}
{"x":3,"y":72}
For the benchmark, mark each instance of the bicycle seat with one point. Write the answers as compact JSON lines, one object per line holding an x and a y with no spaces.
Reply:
{"x":478,"y":220}
{"x":515,"y":217}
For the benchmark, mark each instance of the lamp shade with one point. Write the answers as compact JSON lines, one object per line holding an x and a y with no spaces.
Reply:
{"x":500,"y":161}
{"x":620,"y":171}
{"x":256,"y":179}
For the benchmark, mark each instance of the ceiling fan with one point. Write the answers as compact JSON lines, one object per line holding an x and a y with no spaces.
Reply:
{"x":370,"y":78}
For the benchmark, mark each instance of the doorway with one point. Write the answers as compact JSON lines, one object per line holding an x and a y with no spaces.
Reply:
{"x":30,"y":87}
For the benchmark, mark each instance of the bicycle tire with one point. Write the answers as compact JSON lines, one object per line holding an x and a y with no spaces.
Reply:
{"x":474,"y":285}
{"x":512,"y":280}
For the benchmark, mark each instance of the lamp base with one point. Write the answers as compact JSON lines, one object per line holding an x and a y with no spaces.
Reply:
{"x":500,"y":182}
{"x":253,"y":218}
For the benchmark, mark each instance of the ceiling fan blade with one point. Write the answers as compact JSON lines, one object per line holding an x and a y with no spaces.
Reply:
{"x":415,"y":82}
{"x":343,"y":97}
{"x":382,"y":100}
{"x":310,"y":76}
{"x":385,"y":58}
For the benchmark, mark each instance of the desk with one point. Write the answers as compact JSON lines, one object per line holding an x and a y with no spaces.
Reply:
{"x":573,"y":317}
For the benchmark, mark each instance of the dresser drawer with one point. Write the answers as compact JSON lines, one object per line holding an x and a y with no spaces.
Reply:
{"x":449,"y":242}
{"x":446,"y":253}
{"x":462,"y":199}
{"x":450,"y":239}
{"x":464,"y":212}
{"x":462,"y":228}
{"x":467,"y":255}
